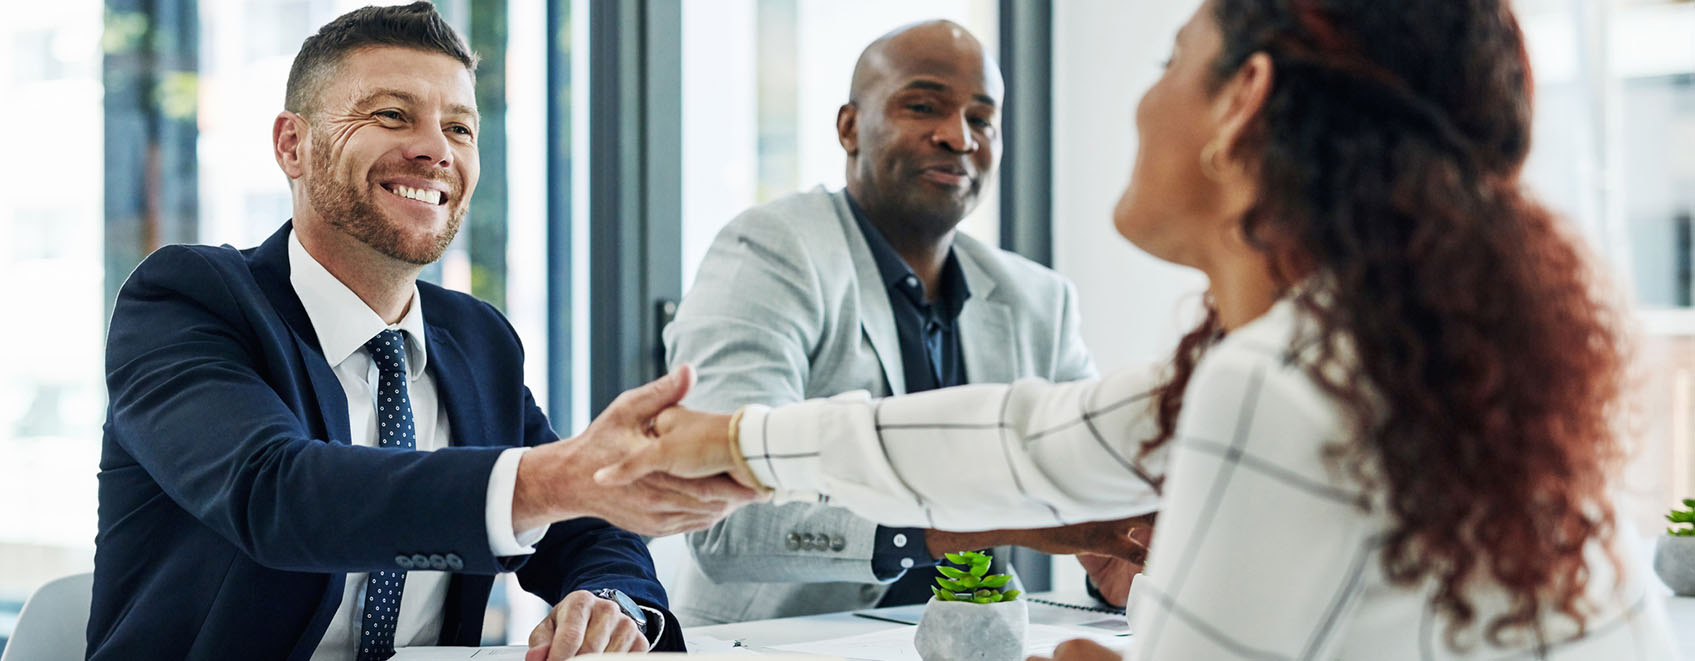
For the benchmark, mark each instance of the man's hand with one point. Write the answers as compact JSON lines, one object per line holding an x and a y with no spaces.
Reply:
{"x":584,"y":624}
{"x":1122,"y":538}
{"x":555,"y":484}
{"x":1081,"y":649}
{"x":685,"y":443}
{"x":1112,"y":576}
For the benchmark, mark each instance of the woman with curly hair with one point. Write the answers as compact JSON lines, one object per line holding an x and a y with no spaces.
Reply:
{"x":1391,"y":436}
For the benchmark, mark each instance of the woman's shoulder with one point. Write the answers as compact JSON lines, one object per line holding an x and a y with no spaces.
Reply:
{"x":1255,"y":391}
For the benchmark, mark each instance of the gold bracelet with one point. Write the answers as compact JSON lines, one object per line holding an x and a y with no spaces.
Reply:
{"x":736,"y":446}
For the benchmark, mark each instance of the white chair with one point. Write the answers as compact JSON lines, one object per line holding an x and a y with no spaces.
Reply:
{"x":54,"y":622}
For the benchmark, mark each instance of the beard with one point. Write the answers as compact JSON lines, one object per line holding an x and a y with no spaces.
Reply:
{"x":348,"y":206}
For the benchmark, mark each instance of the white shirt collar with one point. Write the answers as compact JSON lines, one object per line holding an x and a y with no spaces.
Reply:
{"x":343,"y":322}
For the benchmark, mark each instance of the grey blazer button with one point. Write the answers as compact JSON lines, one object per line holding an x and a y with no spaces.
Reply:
{"x":437,"y":562}
{"x":794,"y":541}
{"x":809,"y":541}
{"x":420,"y":561}
{"x":454,"y":562}
{"x":403,"y":561}
{"x":838,"y":543}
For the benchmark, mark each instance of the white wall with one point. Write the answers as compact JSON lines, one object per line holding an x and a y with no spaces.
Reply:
{"x":1106,"y":53}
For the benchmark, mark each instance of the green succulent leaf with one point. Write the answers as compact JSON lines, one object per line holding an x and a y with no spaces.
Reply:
{"x":980,"y":570}
{"x":1010,"y":595}
{"x":942,"y":595}
{"x":956,"y":558}
{"x":984,"y":600}
{"x":996,"y":581}
{"x":970,"y":582}
{"x":950,"y":572}
{"x":956,"y":586}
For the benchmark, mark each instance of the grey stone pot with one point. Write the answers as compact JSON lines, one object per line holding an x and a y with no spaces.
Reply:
{"x":962,"y":631}
{"x":1674,"y":561}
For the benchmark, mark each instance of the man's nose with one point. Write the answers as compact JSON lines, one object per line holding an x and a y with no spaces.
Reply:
{"x":954,"y":134}
{"x":427,"y":144}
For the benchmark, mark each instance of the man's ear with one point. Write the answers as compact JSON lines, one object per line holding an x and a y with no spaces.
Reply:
{"x":847,"y":128}
{"x":1242,"y":99}
{"x":288,"y":143}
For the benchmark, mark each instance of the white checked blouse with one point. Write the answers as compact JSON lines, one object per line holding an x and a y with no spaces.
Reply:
{"x":1262,"y":551}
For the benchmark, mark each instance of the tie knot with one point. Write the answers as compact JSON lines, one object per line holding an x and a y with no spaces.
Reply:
{"x":388,"y":351}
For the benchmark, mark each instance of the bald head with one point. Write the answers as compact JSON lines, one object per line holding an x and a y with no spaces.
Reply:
{"x":921,"y":130}
{"x":929,"y":45}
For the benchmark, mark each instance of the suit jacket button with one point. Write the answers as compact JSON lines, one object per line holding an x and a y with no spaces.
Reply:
{"x":420,"y":561}
{"x":809,"y":541}
{"x":403,"y":561}
{"x":437,"y":562}
{"x":454,"y":562}
{"x":838,"y":543}
{"x":794,"y":541}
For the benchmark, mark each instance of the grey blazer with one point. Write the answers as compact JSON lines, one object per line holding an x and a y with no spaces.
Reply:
{"x":788,"y":305}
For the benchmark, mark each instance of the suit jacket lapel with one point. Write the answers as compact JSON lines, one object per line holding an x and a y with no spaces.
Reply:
{"x":986,"y":334}
{"x":269,"y":265}
{"x":456,"y":385}
{"x":875,"y":316}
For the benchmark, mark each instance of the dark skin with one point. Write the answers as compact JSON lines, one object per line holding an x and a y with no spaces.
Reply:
{"x":922,"y":134}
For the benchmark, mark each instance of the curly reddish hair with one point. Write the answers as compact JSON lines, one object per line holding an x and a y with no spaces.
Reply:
{"x":1482,"y":369}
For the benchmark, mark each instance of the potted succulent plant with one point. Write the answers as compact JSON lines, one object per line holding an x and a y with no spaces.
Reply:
{"x":1674,"y":554}
{"x":973,"y":615}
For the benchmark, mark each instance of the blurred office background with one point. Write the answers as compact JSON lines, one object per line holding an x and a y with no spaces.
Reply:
{"x":620,"y":135}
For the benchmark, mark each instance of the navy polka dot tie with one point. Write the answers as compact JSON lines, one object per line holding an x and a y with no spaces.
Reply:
{"x":394,"y":430}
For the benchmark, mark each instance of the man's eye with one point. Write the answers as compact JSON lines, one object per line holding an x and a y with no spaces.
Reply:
{"x":390,"y":114}
{"x":461,"y":130}
{"x":921,"y":107}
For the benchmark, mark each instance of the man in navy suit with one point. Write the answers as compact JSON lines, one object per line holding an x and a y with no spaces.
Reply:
{"x":311,"y":455}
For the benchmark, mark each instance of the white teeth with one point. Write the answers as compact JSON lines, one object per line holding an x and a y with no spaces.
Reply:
{"x":419,"y":194}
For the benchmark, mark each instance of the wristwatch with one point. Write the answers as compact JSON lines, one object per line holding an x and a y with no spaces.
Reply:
{"x":625,"y":603}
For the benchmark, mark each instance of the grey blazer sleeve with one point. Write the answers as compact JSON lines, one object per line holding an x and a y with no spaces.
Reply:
{"x":749,"y":326}
{"x":1073,"y":362}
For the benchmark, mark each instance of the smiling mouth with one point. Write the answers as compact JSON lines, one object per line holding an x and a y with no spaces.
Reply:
{"x":425,"y":195}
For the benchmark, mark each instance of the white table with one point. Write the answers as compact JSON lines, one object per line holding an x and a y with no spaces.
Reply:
{"x":768,"y":633}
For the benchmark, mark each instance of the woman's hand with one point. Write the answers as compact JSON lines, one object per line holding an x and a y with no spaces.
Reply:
{"x":1081,"y":649}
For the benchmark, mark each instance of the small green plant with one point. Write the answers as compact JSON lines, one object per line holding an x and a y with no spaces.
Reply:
{"x":974,"y":583}
{"x":1685,"y":516}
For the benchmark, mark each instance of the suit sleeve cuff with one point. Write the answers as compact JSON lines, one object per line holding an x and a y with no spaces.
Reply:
{"x":503,"y":479}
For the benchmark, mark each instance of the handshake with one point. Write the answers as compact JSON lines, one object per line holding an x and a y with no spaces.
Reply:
{"x":645,"y":464}
{"x":655,"y":468}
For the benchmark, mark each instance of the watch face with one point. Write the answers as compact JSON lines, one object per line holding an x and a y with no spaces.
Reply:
{"x":627,"y":604}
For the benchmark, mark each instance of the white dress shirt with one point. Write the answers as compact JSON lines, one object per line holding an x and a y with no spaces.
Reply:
{"x":1263,"y":549}
{"x":344,"y":323}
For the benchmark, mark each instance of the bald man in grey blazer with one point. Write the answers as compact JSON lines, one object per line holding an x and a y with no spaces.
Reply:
{"x":871,"y":288}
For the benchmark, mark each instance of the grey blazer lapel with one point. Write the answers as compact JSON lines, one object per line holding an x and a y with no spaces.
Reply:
{"x":875,"y":316}
{"x":986,"y":334}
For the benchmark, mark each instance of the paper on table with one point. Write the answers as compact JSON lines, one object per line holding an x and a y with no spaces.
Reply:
{"x":700,"y":644}
{"x":896,"y":644}
{"x":447,"y":653}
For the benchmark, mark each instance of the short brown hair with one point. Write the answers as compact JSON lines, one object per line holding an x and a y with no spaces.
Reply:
{"x":415,"y":26}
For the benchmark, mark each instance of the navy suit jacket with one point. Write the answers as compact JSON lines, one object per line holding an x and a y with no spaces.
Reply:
{"x":232,"y":504}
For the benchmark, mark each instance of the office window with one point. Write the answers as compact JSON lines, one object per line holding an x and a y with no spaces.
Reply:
{"x":1615,"y":128}
{"x":762,"y":80}
{"x":52,"y":395}
{"x":198,"y":82}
